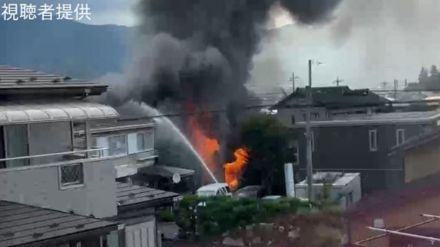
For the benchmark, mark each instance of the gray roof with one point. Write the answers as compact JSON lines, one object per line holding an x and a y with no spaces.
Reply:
{"x":128,"y":194}
{"x":14,"y":79}
{"x":333,"y":97}
{"x":14,"y":113}
{"x":23,"y":224}
{"x":378,"y":118}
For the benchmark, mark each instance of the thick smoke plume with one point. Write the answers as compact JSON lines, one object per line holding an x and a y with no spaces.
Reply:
{"x":201,"y":50}
{"x":197,"y":54}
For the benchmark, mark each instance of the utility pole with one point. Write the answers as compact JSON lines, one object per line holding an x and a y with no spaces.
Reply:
{"x":396,"y":85}
{"x":293,"y":81}
{"x":338,"y":81}
{"x":309,"y":137}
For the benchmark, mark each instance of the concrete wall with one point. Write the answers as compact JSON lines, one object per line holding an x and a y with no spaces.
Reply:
{"x":40,"y":186}
{"x":46,"y":138}
{"x":422,"y":161}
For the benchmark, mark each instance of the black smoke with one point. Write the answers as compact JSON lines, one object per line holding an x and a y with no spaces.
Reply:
{"x":197,"y":55}
{"x":201,"y":50}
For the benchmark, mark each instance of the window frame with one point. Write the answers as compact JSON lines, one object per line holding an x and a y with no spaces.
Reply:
{"x":373,"y":147}
{"x":6,"y":146}
{"x":73,"y":184}
{"x":110,"y":154}
{"x":402,"y":131}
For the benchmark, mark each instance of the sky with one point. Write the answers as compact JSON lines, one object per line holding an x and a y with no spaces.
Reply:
{"x":364,"y":44}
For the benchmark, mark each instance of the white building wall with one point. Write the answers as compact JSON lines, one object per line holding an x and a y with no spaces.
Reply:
{"x":39,"y":186}
{"x":337,"y":191}
{"x":141,"y":234}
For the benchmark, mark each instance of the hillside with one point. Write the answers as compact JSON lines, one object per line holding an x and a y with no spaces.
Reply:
{"x":65,"y":47}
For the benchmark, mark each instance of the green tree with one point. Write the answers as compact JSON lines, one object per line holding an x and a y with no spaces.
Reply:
{"x":267,"y":141}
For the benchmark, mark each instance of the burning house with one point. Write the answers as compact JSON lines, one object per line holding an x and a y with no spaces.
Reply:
{"x":197,"y":61}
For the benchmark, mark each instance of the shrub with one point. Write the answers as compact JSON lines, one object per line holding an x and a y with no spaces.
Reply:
{"x":216,"y":215}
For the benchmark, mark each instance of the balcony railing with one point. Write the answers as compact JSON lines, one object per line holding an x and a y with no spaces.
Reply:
{"x":46,"y":159}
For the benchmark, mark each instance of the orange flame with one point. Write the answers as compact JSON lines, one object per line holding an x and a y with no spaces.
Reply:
{"x":234,"y":169}
{"x":206,"y":147}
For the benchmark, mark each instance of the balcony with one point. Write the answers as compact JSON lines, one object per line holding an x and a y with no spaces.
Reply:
{"x":83,"y":183}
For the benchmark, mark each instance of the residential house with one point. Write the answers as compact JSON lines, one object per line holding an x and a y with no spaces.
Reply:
{"x":328,"y":102}
{"x":60,"y":152}
{"x":24,"y":225}
{"x":357,"y":141}
{"x":402,"y":208}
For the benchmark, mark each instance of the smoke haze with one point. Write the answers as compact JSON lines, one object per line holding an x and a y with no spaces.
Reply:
{"x":367,"y":42}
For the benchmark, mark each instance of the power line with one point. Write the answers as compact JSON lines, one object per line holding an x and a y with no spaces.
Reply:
{"x":264,"y":106}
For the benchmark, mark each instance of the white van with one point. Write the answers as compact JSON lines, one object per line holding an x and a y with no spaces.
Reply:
{"x":215,"y":189}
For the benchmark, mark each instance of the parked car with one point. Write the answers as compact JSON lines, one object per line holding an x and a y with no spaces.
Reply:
{"x":252,"y":191}
{"x":215,"y":189}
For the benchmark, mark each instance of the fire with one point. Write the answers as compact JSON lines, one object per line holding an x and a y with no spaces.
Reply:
{"x":205,"y":146}
{"x":234,"y":169}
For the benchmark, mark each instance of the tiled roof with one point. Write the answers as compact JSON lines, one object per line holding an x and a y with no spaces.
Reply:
{"x":14,"y":75}
{"x":20,"y":81}
{"x":23,"y":224}
{"x":334,"y":97}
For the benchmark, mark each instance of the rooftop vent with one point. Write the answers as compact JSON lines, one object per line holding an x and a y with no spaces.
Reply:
{"x":19,"y":81}
{"x":67,"y":78}
{"x":33,"y":78}
{"x":56,"y":80}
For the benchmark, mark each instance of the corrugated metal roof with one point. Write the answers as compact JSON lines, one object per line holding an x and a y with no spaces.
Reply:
{"x":14,"y":75}
{"x":23,"y":224}
{"x":11,"y":113}
{"x":30,"y":83}
{"x":128,"y":194}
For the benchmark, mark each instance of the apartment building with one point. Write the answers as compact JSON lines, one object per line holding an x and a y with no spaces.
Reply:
{"x":60,"y":158}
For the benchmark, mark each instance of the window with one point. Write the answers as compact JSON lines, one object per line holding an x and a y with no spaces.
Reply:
{"x":71,"y":175}
{"x":400,"y":136}
{"x":117,"y":145}
{"x":315,"y":115}
{"x":372,"y":138}
{"x":140,"y":141}
{"x":292,"y":119}
{"x":17,"y":145}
